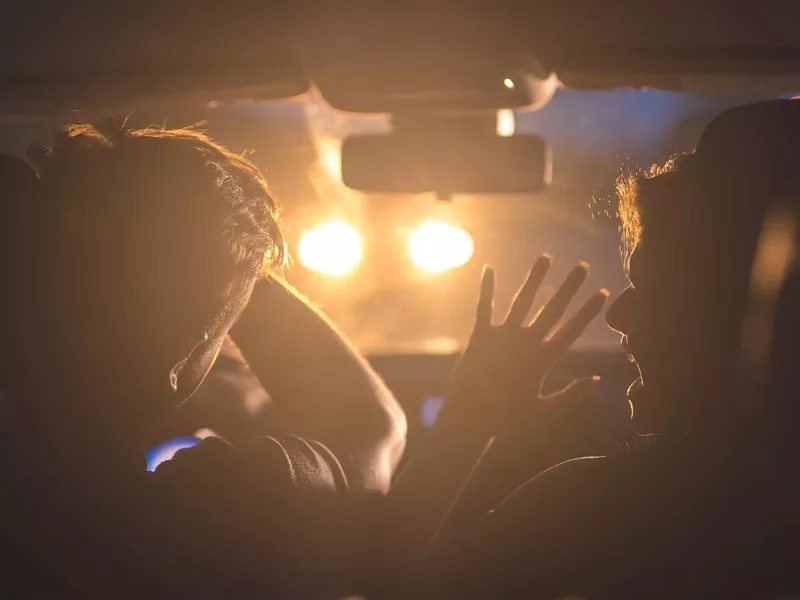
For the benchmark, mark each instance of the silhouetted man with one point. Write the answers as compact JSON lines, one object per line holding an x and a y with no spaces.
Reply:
{"x":143,"y":249}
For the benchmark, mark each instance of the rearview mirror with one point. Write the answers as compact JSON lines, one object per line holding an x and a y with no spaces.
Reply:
{"x":454,"y":164}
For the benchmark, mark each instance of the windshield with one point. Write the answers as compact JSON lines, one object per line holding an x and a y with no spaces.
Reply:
{"x":380,"y":298}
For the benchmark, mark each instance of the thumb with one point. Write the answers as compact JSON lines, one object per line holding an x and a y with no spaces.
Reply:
{"x":575,"y":394}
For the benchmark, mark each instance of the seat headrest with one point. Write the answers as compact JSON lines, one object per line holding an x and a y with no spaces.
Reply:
{"x":756,"y":143}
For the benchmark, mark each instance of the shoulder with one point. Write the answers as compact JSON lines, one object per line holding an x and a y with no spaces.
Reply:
{"x":278,"y":499}
{"x":591,"y":492}
{"x":559,"y":491}
{"x":267,"y":513}
{"x":585,"y":523}
{"x":283,"y":463}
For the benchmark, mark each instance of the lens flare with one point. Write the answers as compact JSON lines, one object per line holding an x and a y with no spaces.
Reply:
{"x":506,"y":122}
{"x":331,"y":158}
{"x":436,"y":246}
{"x":333,"y":248}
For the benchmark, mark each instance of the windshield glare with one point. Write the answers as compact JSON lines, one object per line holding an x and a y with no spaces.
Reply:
{"x":393,"y":286}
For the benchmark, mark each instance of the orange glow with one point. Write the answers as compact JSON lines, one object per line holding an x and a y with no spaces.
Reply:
{"x":436,"y":246}
{"x":506,"y":123}
{"x":333,"y":248}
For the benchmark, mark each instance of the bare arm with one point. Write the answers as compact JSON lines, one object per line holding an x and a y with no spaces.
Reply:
{"x":321,"y":387}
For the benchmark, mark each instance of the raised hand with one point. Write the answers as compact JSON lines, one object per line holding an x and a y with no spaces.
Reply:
{"x":499,"y":379}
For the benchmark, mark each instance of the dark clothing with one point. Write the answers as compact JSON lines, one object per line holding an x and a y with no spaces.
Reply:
{"x":273,"y":518}
{"x":263,"y":519}
{"x":642,"y":524}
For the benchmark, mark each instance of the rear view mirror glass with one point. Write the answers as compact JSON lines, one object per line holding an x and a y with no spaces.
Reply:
{"x":454,"y":164}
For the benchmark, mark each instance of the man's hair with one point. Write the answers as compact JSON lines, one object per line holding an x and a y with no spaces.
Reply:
{"x":107,"y":180}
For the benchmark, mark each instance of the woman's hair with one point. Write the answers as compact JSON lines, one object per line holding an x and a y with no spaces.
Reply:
{"x":687,"y":207}
{"x":638,"y":190}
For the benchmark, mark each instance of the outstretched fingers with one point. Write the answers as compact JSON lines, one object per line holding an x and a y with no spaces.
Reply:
{"x":521,"y":305}
{"x":483,"y":316}
{"x":569,"y":332}
{"x":574,"y":393}
{"x":547,"y":318}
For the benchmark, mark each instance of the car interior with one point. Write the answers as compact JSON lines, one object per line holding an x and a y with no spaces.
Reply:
{"x":410,"y":144}
{"x":546,"y":103}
